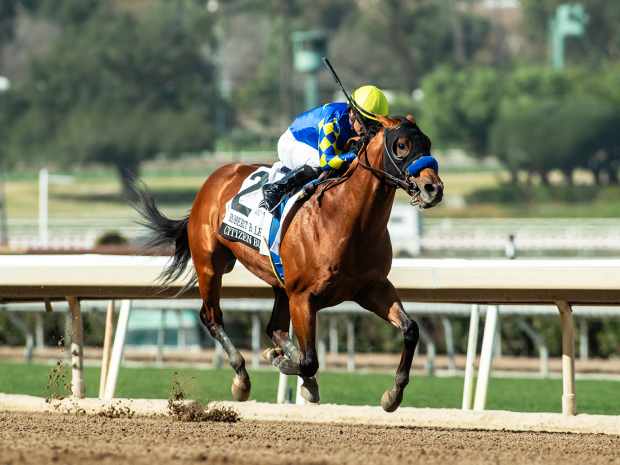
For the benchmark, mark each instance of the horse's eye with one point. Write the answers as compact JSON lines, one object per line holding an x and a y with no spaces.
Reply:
{"x":401,"y":146}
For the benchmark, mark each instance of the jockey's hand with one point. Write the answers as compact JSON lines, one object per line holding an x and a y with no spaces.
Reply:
{"x":348,"y":157}
{"x":354,"y":144}
{"x":310,"y":187}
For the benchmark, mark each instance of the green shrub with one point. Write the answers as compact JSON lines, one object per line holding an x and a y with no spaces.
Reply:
{"x":522,"y":194}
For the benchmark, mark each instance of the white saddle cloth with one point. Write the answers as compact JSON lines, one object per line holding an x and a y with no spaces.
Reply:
{"x":244,"y":221}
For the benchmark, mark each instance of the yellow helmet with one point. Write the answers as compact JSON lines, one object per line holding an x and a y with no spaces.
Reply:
{"x":370,"y":101}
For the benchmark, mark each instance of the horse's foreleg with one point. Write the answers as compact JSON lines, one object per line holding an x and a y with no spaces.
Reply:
{"x":382,"y":299}
{"x":304,"y":324}
{"x":211,"y":316}
{"x":285,"y":356}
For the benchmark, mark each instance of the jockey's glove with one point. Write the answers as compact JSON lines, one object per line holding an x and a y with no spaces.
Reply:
{"x":348,"y":157}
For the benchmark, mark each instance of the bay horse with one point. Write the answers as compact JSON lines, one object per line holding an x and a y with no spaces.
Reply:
{"x":335,"y":247}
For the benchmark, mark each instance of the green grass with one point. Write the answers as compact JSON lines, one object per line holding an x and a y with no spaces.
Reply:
{"x":526,"y":395}
{"x":94,"y":193}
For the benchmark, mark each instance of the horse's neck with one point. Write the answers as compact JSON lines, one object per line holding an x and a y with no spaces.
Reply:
{"x":364,"y":203}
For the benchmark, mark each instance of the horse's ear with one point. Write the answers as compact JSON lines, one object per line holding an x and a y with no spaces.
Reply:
{"x":387,"y":122}
{"x":411,"y":118}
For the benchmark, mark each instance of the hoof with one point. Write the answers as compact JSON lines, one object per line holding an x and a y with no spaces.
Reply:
{"x":240,"y":389}
{"x":286,"y":365}
{"x":310,"y":390}
{"x":391,"y":399}
{"x":271,"y":354}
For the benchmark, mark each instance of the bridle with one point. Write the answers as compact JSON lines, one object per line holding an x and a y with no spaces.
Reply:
{"x":394,"y":167}
{"x":383,"y":175}
{"x":398,"y":164}
{"x":397,"y":179}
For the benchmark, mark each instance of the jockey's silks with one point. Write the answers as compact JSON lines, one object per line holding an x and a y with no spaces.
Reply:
{"x":326,"y":129}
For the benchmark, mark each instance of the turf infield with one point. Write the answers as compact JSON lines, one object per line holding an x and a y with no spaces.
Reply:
{"x":525,"y":395}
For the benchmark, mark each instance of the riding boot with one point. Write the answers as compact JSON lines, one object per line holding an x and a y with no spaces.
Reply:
{"x":273,"y":192}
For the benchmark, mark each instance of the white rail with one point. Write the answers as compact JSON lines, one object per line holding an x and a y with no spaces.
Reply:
{"x":562,"y":283}
{"x":410,"y":233}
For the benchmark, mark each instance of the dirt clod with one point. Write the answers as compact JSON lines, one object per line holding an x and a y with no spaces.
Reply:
{"x":58,"y":387}
{"x":117,"y":411}
{"x":194,"y":411}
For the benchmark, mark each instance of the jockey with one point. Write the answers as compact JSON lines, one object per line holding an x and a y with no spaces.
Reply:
{"x":315,"y":141}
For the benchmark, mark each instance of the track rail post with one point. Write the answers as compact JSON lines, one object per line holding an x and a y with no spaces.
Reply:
{"x":161,"y":336}
{"x":77,"y":348}
{"x":430,"y":350}
{"x":540,"y":344}
{"x":333,"y":336}
{"x":583,"y":339}
{"x":117,"y":350}
{"x":472,"y":347}
{"x":350,"y":344}
{"x":39,"y":329}
{"x":449,"y":335}
{"x":569,"y":401}
{"x":486,"y":357}
{"x":255,"y":340}
{"x":107,"y":347}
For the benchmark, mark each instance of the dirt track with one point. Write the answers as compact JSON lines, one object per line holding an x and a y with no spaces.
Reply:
{"x":71,"y":439}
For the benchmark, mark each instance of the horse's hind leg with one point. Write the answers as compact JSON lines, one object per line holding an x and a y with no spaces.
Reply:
{"x":382,"y":299}
{"x":210,"y":283}
{"x":211,"y":316}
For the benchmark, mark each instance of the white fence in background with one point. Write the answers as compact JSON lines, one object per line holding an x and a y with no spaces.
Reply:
{"x":529,"y":234}
{"x":69,"y":233}
{"x":328,"y":341}
{"x":411,"y":233}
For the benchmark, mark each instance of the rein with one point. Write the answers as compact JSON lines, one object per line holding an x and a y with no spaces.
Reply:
{"x":383,"y":176}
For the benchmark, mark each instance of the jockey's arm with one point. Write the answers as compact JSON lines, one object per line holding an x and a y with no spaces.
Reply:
{"x":329,"y":157}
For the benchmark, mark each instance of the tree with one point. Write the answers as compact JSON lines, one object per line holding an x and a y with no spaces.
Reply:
{"x":401,"y":42}
{"x":120,"y":89}
{"x":460,"y":106}
{"x":404,"y":41}
{"x":558,"y":133}
{"x":528,"y":84}
{"x":257,"y":56}
{"x":8,"y":11}
{"x":521,"y":140}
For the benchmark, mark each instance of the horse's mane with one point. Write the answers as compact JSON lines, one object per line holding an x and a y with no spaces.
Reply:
{"x":333,"y":182}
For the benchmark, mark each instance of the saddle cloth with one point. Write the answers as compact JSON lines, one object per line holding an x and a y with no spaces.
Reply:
{"x":245,"y":222}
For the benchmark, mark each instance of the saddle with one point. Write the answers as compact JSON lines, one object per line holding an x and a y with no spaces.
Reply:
{"x":244,"y":221}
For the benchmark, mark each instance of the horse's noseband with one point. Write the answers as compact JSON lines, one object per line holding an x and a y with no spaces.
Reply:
{"x":393,"y":165}
{"x":394,"y":170}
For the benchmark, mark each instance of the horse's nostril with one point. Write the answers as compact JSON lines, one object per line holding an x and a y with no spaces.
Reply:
{"x":430,"y":188}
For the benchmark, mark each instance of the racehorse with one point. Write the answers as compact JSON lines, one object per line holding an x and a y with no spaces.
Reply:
{"x":335,"y":247}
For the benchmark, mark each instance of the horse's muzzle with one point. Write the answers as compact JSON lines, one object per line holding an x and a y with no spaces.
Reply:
{"x":431,"y":193}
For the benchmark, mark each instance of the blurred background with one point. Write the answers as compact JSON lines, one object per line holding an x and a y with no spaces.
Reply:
{"x":521,"y":99}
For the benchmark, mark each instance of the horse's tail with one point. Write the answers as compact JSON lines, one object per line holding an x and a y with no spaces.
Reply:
{"x":164,"y":232}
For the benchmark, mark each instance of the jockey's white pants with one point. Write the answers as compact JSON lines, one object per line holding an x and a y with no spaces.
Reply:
{"x":294,"y":154}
